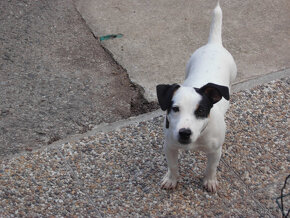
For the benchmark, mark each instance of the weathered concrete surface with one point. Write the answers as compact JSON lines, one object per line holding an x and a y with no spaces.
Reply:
{"x":159,"y":36}
{"x":55,"y":78}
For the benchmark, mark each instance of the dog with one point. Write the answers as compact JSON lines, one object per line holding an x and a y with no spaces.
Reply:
{"x":196,"y":109}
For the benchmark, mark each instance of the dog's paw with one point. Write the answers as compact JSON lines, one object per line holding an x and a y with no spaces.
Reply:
{"x":210,"y":185}
{"x":168,"y":182}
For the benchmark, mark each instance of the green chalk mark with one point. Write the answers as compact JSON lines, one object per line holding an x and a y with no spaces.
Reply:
{"x":112,"y":36}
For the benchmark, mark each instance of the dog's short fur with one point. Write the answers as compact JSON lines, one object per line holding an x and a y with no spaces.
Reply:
{"x":196,"y":109}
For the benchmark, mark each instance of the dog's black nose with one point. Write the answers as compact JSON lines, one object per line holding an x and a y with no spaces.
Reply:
{"x":184,"y":134}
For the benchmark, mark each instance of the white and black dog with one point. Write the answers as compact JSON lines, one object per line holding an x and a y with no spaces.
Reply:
{"x":196,"y":109}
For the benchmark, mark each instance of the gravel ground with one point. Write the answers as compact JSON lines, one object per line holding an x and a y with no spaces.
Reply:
{"x":118,"y":172}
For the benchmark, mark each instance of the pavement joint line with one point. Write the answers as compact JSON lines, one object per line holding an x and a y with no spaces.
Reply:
{"x":252,"y":83}
{"x":251,"y":192}
{"x":107,"y":127}
{"x":259,"y":80}
{"x":103,"y":127}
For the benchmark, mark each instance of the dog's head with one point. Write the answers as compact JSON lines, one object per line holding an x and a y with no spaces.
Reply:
{"x":188,"y":108}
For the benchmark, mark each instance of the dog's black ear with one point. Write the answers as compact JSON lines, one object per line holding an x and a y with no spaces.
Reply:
{"x":215,"y":92}
{"x":165,"y":93}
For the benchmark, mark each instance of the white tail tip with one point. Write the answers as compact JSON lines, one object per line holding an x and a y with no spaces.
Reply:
{"x":215,"y":35}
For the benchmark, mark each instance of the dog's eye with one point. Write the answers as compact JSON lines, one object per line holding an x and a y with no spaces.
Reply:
{"x":175,"y":109}
{"x":200,"y":110}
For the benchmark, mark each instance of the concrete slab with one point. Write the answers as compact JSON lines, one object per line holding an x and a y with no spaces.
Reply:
{"x":159,"y":36}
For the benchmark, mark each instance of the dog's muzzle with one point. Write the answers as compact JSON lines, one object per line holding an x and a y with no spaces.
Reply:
{"x":184,"y":136}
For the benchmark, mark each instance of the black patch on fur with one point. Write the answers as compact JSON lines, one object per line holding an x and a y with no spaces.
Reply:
{"x":204,"y":107}
{"x":164,"y":95}
{"x":170,"y":107}
{"x":168,"y":111}
{"x":211,"y":93}
{"x":167,"y":122}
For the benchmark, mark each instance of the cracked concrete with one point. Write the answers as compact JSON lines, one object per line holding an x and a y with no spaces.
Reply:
{"x":160,"y":36}
{"x":56,"y":79}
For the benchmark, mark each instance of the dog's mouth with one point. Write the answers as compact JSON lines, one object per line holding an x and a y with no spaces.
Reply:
{"x":184,"y":141}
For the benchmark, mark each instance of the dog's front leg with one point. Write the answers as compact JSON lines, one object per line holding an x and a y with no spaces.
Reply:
{"x":210,"y":182}
{"x":169,"y":181}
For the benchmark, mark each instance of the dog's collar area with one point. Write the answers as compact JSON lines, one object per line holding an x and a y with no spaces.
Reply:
{"x":203,"y":128}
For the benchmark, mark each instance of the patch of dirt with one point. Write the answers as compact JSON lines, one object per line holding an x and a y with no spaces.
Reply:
{"x":56,"y":79}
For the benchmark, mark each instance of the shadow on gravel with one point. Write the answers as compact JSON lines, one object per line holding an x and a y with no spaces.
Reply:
{"x":55,"y":78}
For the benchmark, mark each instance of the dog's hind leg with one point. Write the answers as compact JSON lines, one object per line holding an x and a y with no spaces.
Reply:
{"x":169,"y":181}
{"x":210,"y":182}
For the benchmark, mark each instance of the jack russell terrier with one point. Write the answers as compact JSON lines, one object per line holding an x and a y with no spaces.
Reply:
{"x":196,"y":109}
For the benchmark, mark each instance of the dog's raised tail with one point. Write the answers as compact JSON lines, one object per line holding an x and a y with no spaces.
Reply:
{"x":215,"y":34}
